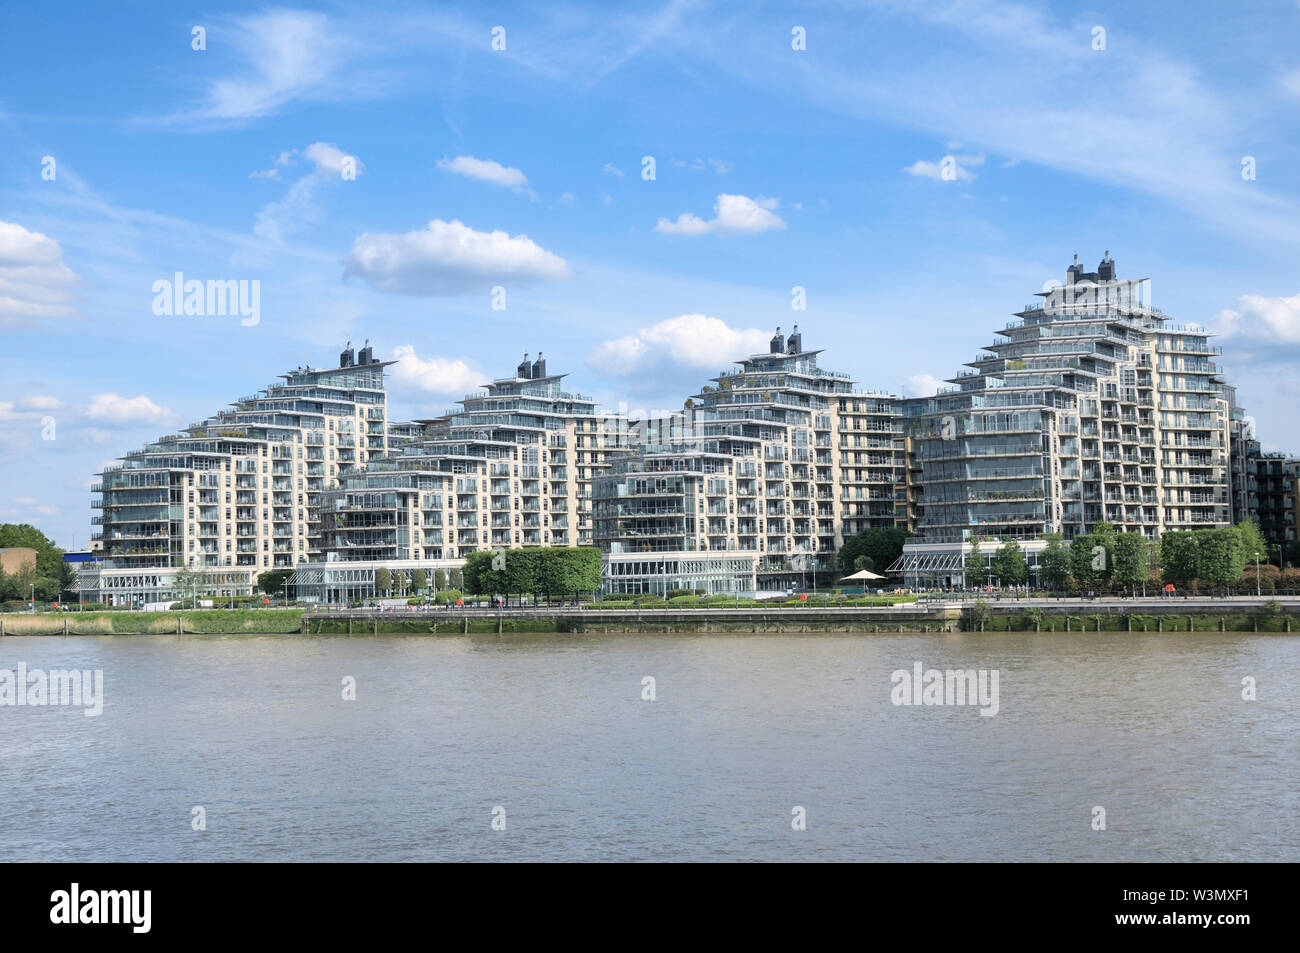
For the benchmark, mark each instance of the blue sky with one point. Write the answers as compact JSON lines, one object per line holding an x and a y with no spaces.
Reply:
{"x":521,"y":168}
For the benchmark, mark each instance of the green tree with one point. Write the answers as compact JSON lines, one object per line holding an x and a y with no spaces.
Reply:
{"x":1178,"y":556}
{"x":52,"y":574}
{"x":419,"y":580}
{"x":1130,"y":558}
{"x":863,"y":562}
{"x":26,"y":536}
{"x":67,"y":580}
{"x":187,"y":583}
{"x":1220,"y":557}
{"x":976,"y":566}
{"x":1009,"y":565}
{"x":1252,"y":542}
{"x":882,"y":545}
{"x":521,"y":575}
{"x":439,"y":579}
{"x":47,"y":589}
{"x":383,"y":580}
{"x":1092,"y":557}
{"x":478,"y":577}
{"x":1054,"y":563}
{"x":585,"y":564}
{"x":456,"y":579}
{"x":273,"y":581}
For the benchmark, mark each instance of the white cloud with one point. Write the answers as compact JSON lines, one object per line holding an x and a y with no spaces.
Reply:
{"x":329,"y":159}
{"x":691,"y":339}
{"x":22,"y":506}
{"x":129,"y":410}
{"x":610,"y":169}
{"x":923,"y":385}
{"x":439,"y":376}
{"x":450,"y":258}
{"x":485,"y":170}
{"x":30,"y":406}
{"x":34,"y":281}
{"x":703,"y":165}
{"x":1270,"y":319}
{"x":734,"y":214}
{"x":953,"y":166}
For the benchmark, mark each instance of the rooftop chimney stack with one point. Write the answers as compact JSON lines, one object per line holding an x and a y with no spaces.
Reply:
{"x":539,"y":367}
{"x":347,"y":358}
{"x":778,"y":342}
{"x":795,"y":345}
{"x":524,"y":369}
{"x":366,"y":356}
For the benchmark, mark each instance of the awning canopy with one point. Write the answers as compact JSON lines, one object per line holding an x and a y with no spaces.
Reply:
{"x":861,"y":574}
{"x":928,"y":562}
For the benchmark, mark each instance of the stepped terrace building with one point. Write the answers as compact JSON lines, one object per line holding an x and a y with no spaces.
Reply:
{"x":240,"y":492}
{"x":512,"y":468}
{"x":1092,"y":406}
{"x":783,"y":461}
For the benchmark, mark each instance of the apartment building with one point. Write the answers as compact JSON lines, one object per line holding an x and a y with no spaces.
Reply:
{"x":1273,"y":488}
{"x":765,"y":474}
{"x":1243,"y":449}
{"x":240,"y":492}
{"x":1091,"y":406}
{"x":513,"y":467}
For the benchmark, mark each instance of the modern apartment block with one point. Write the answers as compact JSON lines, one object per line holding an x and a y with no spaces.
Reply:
{"x":1273,"y":487}
{"x":240,"y":492}
{"x":512,"y":468}
{"x":1091,"y":406}
{"x":769,"y":470}
{"x":1243,"y":449}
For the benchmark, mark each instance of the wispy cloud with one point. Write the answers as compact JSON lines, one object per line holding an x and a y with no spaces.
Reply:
{"x":485,"y":170}
{"x":287,"y":56}
{"x":298,"y":208}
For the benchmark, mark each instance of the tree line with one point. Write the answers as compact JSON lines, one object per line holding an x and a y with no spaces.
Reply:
{"x":413,"y":582}
{"x":54,"y":580}
{"x":556,"y":571}
{"x":1106,"y":559}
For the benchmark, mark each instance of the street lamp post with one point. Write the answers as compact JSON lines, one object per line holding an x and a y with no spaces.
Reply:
{"x":1257,"y":588}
